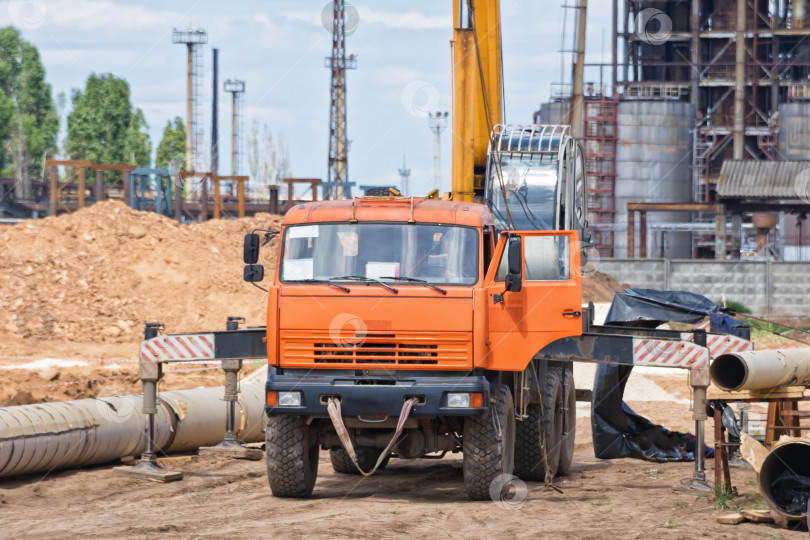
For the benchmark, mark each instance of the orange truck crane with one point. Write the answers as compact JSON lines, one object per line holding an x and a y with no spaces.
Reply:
{"x":412,"y":327}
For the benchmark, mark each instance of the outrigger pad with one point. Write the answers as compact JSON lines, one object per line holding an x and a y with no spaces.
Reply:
{"x":149,"y":471}
{"x":237,"y":452}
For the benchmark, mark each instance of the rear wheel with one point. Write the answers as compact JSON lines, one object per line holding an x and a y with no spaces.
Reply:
{"x":366,"y":458}
{"x":292,"y":456}
{"x":530,"y":457}
{"x":489,"y":446}
{"x":569,"y":422}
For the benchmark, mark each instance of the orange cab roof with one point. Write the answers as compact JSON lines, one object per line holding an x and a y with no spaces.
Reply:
{"x":390,"y":209}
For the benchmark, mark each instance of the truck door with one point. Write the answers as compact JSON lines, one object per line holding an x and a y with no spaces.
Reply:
{"x":545,"y":300}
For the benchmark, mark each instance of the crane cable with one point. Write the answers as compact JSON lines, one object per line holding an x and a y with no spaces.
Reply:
{"x":488,"y":113}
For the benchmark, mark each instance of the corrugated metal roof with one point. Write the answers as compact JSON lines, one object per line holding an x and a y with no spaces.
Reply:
{"x":751,"y":179}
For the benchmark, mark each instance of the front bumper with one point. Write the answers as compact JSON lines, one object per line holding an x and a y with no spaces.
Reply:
{"x":369,"y":395}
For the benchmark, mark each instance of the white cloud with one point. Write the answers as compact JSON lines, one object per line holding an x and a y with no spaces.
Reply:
{"x":411,"y":20}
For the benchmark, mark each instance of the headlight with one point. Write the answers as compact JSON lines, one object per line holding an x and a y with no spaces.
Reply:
{"x":289,"y":399}
{"x":458,"y":400}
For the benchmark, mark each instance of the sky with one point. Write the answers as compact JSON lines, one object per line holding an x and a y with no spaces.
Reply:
{"x":278,"y":48}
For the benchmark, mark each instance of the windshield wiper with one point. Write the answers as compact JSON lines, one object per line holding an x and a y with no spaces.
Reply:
{"x":327,"y":281}
{"x":366,"y":280}
{"x":415,"y":280}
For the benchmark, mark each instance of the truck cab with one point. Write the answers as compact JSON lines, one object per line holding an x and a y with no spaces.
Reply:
{"x":383,"y":304}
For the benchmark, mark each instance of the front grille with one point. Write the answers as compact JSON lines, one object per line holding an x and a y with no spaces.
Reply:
{"x":404,"y":350}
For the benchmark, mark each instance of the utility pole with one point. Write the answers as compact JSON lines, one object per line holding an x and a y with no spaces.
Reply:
{"x":236,"y":88}
{"x":215,"y":114}
{"x":405,"y":178}
{"x":437,"y":122}
{"x":338,"y":63}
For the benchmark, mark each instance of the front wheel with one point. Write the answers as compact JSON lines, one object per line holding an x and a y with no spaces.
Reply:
{"x":489,"y":446}
{"x":292,"y":456}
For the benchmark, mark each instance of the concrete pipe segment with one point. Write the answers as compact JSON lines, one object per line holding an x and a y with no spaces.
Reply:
{"x":784,"y":480}
{"x":761,"y":370}
{"x":62,"y":435}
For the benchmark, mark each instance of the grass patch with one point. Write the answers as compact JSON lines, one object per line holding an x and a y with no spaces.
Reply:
{"x":670,"y":525}
{"x":680,"y":505}
{"x":601,"y":502}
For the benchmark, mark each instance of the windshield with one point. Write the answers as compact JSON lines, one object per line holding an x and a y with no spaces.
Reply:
{"x":530,"y":183}
{"x":434,"y":253}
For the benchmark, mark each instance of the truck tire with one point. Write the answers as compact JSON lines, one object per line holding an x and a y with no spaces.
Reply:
{"x":489,"y":451}
{"x":292,"y":456}
{"x":366,"y":458}
{"x":569,"y":422}
{"x":529,"y":456}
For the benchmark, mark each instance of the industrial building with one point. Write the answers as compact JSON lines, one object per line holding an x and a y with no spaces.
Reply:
{"x":696,"y":84}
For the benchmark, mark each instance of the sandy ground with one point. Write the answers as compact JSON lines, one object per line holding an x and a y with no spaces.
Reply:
{"x":220,"y":498}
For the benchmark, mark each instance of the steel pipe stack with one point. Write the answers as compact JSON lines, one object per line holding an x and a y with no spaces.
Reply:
{"x":784,"y":481}
{"x":61,"y":435}
{"x":762,"y":370}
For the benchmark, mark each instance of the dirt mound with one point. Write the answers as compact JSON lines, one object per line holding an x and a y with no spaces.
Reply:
{"x":99,"y":274}
{"x":599,"y":287}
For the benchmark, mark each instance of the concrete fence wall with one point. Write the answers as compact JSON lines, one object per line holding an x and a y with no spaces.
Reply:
{"x":774,"y":287}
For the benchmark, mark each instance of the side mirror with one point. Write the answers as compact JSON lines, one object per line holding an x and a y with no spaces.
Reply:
{"x":253,"y":273}
{"x":513,"y":277}
{"x":251,"y":250}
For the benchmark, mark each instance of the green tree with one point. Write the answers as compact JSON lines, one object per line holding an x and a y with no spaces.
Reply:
{"x":172,"y":144}
{"x":29,"y":122}
{"x":103,"y":126}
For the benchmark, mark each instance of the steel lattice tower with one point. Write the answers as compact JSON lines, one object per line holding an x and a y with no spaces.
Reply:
{"x":193,"y":40}
{"x":338,"y":63}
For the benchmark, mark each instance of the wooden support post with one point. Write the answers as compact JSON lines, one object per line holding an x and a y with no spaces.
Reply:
{"x":273,"y":199}
{"x":82,"y":187}
{"x":217,"y":199}
{"x":127,"y":180}
{"x":240,"y":187}
{"x":643,"y":248}
{"x":315,"y":184}
{"x":54,"y":189}
{"x":100,"y":194}
{"x":204,"y":199}
{"x":631,"y":234}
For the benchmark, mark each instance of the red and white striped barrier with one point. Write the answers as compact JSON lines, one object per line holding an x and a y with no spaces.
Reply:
{"x":181,"y":347}
{"x":669,"y":353}
{"x":719,"y":344}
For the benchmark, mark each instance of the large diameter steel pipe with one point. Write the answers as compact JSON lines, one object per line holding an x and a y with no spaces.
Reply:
{"x":68,"y":434}
{"x":760,"y":370}
{"x":784,"y":479}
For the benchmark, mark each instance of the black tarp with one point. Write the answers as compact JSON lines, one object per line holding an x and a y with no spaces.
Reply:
{"x":619,"y":432}
{"x":653,"y":308}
